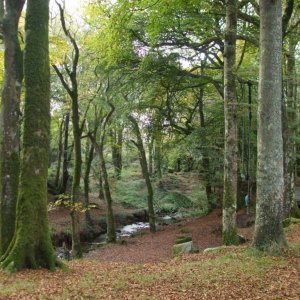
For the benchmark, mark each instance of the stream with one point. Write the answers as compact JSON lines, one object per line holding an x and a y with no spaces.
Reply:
{"x":122,"y":232}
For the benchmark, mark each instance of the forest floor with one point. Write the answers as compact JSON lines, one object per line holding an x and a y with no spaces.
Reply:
{"x":142,"y":268}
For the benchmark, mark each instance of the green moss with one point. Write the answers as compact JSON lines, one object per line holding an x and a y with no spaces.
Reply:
{"x":229,"y":199}
{"x":31,"y":246}
{"x":183,"y":239}
{"x":230,"y":237}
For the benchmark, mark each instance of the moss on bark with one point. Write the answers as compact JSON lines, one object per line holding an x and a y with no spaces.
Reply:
{"x":31,"y":246}
{"x":9,"y":128}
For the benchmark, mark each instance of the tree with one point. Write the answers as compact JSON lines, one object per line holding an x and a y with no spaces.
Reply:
{"x":71,"y":86}
{"x":231,"y":138}
{"x":102,"y":120}
{"x":270,"y":183}
{"x":31,"y":245}
{"x":10,"y":113}
{"x":144,"y":166}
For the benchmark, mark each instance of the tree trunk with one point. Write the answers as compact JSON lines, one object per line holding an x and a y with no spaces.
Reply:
{"x":150,"y":151}
{"x":31,"y":245}
{"x":157,"y":157}
{"x":9,"y":122}
{"x":205,"y":159}
{"x":76,"y":245}
{"x":65,"y":164}
{"x":116,"y":146}
{"x":88,"y":164}
{"x":110,"y":220}
{"x":268,"y":225}
{"x":59,"y":154}
{"x":231,"y":137}
{"x":290,"y":206}
{"x":145,"y":171}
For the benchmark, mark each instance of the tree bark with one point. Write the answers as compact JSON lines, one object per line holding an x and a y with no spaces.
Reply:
{"x":268,"y":225}
{"x":110,"y":220}
{"x":31,"y":245}
{"x":231,"y":136}
{"x":290,"y":206}
{"x":145,"y":171}
{"x":71,"y":86}
{"x":205,"y":159}
{"x":104,"y":185}
{"x":116,"y":146}
{"x":150,"y":151}
{"x":59,"y":155}
{"x":88,"y":164}
{"x":9,"y":121}
{"x":65,"y":163}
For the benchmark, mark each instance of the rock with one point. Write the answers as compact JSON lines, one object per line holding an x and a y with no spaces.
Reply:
{"x":214,"y":249}
{"x":183,"y":248}
{"x":183,"y":239}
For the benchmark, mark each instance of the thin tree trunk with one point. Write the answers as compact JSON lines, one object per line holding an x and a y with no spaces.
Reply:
{"x":205,"y":159}
{"x":157,"y":157}
{"x":231,"y":136}
{"x":268,"y":225}
{"x":71,"y":86}
{"x":76,"y":245}
{"x":65,"y":164}
{"x":59,"y":154}
{"x":116,"y":146}
{"x":31,"y":246}
{"x":9,"y":122}
{"x":144,"y":167}
{"x":110,"y":221}
{"x":150,"y":149}
{"x":89,"y":159}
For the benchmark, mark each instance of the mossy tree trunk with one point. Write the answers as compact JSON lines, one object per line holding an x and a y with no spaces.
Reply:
{"x":59,"y":154}
{"x":144,"y":166}
{"x":104,"y":180}
{"x":268,"y":225}
{"x":88,"y":164}
{"x":110,"y":220}
{"x":157,"y":156}
{"x":205,"y":159}
{"x":65,"y":162}
{"x":9,"y":120}
{"x":231,"y":136}
{"x":150,"y":151}
{"x":71,"y":86}
{"x":117,"y":145}
{"x":31,"y":245}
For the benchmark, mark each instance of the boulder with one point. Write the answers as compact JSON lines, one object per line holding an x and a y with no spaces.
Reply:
{"x":183,"y":248}
{"x":183,"y":239}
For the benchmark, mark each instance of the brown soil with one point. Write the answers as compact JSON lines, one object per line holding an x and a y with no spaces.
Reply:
{"x":60,"y":220}
{"x":147,"y":247}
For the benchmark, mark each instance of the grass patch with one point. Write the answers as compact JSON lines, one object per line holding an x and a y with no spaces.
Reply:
{"x":14,"y":286}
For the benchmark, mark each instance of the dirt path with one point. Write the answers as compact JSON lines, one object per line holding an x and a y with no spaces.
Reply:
{"x":147,"y":247}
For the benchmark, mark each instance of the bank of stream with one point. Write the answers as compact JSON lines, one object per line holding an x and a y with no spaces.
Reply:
{"x":131,"y":225}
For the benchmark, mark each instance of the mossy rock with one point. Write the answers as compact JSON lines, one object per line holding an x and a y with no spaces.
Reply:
{"x":183,"y":239}
{"x":214,"y":249}
{"x":183,"y":248}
